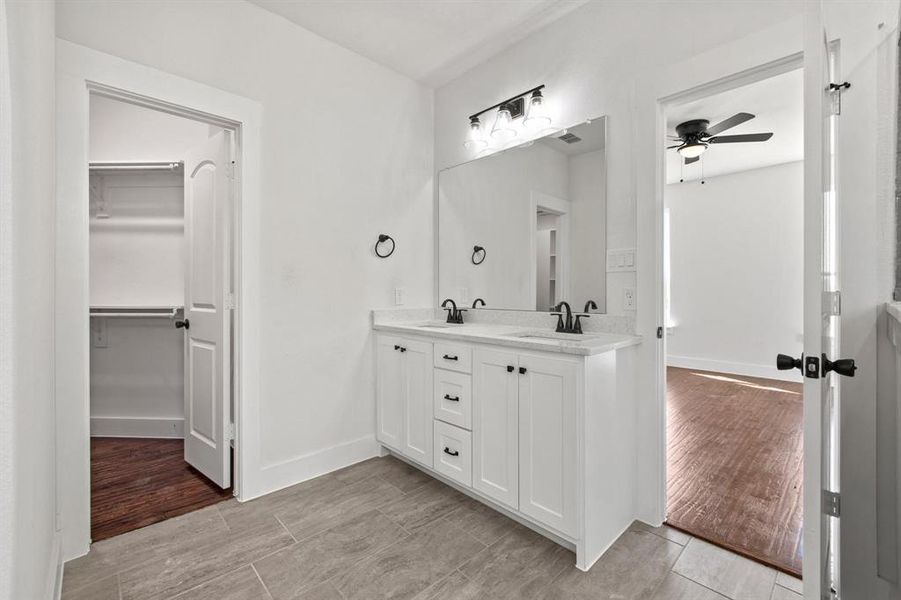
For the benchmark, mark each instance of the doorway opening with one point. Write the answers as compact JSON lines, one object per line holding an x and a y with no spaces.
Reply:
{"x":162,"y":313}
{"x":733,"y":299}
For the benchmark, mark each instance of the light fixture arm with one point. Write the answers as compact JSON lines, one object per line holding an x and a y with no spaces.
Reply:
{"x":507,"y":101}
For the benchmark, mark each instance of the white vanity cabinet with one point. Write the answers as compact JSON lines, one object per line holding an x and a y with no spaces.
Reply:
{"x":404,"y":407}
{"x":535,"y":430}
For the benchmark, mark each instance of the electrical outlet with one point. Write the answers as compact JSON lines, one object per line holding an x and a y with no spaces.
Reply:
{"x":99,"y":337}
{"x":398,"y":296}
{"x":628,"y":298}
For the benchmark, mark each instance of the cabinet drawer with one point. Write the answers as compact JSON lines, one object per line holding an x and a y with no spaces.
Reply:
{"x":453,"y":398}
{"x":453,"y":452}
{"x":455,"y":357}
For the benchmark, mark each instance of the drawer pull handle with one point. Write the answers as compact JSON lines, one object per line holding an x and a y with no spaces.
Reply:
{"x":451,"y":398}
{"x":451,"y":452}
{"x":449,"y":357}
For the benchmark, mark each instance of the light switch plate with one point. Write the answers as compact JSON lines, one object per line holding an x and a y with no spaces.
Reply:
{"x":620,"y":260}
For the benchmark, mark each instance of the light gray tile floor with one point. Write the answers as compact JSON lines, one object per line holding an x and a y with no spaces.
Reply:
{"x":382,"y":529}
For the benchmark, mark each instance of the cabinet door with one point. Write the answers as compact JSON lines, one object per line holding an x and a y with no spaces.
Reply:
{"x":494,"y":425}
{"x":390,"y":392}
{"x":418,"y":377}
{"x":547,"y":441}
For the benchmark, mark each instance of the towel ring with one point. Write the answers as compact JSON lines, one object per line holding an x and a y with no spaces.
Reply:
{"x":477,"y":250}
{"x":382,"y":239}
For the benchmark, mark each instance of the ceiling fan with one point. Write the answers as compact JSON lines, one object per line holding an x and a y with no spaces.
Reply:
{"x":696,"y":135}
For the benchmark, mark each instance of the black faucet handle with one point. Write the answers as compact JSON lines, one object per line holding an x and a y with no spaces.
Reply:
{"x":560,"y":326}
{"x":577,"y":326}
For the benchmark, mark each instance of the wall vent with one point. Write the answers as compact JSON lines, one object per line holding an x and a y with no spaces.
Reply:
{"x":570,"y":138}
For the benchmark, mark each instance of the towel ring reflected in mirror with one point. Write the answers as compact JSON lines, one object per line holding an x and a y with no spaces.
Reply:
{"x":382,"y":239}
{"x":478,"y":255}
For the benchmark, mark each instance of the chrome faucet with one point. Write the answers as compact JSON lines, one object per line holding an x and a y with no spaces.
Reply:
{"x":454,"y":314}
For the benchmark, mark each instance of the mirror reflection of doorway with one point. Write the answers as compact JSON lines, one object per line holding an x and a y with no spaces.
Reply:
{"x":547,"y":259}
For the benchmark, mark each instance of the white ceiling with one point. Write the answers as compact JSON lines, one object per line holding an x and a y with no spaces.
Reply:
{"x":431,"y":41}
{"x":777,"y":103}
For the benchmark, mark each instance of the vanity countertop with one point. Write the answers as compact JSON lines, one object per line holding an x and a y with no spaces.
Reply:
{"x":515,"y":336}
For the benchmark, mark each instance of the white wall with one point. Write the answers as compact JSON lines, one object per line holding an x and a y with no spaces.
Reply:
{"x":736,"y":245}
{"x":588,"y":229}
{"x":137,"y":259}
{"x":346,"y":154}
{"x":29,"y":550}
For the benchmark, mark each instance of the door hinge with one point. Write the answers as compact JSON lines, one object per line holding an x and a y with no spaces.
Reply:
{"x":230,"y":432}
{"x":832,"y":304}
{"x":232,"y":167}
{"x":660,"y":333}
{"x":230,"y":303}
{"x":832,"y":503}
{"x":836,"y":90}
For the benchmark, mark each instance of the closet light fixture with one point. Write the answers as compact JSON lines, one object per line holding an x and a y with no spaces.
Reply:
{"x":476,"y":139}
{"x":505,"y":128}
{"x":692,"y":149}
{"x":537,"y":117}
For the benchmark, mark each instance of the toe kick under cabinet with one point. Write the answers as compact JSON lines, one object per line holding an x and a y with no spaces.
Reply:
{"x":538,"y":435}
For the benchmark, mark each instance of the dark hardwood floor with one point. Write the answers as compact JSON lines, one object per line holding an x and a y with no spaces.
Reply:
{"x":138,"y":482}
{"x":735,"y":463}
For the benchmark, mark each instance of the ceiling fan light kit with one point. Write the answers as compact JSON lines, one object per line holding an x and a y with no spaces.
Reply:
{"x":696,"y":136}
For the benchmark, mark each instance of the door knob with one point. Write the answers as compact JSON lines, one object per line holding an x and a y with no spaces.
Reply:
{"x":784,"y":362}
{"x":186,"y":324}
{"x":842,"y":366}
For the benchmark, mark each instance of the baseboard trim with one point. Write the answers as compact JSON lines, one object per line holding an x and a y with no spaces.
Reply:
{"x":309,"y":466}
{"x":137,"y":427}
{"x":733,"y":368}
{"x":54,"y":589}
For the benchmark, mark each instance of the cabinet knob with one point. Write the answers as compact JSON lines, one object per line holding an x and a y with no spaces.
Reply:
{"x":522,"y":370}
{"x":510,"y":368}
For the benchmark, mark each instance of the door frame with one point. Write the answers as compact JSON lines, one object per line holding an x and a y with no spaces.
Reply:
{"x":748,"y":76}
{"x":563,"y":209}
{"x":80,"y":73}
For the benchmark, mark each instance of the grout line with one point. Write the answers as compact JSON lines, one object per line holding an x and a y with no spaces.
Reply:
{"x":725,"y":597}
{"x":381,"y":512}
{"x":274,"y":516}
{"x":222,"y":517}
{"x":260,"y":579}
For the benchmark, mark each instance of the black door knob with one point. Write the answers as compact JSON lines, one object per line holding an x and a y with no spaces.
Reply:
{"x":784,"y":362}
{"x":842,"y":366}
{"x":180,"y":324}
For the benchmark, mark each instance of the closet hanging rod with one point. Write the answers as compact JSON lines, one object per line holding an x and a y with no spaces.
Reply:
{"x":169,"y":312}
{"x":171,"y":166}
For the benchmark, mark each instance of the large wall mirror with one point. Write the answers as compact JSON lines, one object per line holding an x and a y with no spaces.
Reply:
{"x":539,"y":213}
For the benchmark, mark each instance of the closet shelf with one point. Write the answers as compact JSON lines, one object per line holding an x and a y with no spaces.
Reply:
{"x":169,"y":312}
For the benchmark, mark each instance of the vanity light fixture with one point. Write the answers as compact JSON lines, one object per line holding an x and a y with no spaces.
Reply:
{"x":537,"y":117}
{"x":504,"y":128}
{"x":476,"y":139}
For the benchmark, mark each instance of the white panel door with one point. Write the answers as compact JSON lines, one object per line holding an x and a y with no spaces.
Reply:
{"x":390,"y":392}
{"x":418,"y":376}
{"x":207,"y":343}
{"x":547,"y":441}
{"x":495,"y":427}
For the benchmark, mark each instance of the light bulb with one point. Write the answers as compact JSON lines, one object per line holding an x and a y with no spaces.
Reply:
{"x":692,"y":149}
{"x":537,"y":117}
{"x":476,"y":138}
{"x":503,"y":125}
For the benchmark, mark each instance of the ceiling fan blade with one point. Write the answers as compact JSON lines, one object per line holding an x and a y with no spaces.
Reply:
{"x":693,"y":159}
{"x":729,"y":123}
{"x":676,"y":146}
{"x":736,"y":139}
